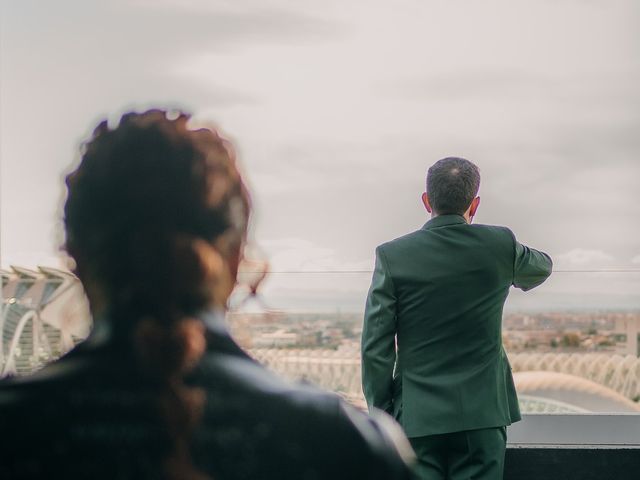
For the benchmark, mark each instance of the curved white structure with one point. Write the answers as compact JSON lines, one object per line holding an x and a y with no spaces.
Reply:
{"x":44,"y":314}
{"x":560,"y":392}
{"x":613,"y":379}
{"x":617,"y":372}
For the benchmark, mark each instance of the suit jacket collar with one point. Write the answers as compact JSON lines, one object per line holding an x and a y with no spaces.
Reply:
{"x":443,"y":221}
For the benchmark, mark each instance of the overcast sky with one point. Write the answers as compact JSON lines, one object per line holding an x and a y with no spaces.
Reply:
{"x":337,"y":109}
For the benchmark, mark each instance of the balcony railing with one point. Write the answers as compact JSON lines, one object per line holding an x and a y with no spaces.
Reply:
{"x":315,"y":336}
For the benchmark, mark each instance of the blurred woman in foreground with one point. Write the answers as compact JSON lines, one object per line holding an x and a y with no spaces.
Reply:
{"x":156,"y":218}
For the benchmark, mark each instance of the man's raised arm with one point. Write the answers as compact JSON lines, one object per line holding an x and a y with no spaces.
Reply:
{"x":378,"y":338}
{"x":530,"y":267}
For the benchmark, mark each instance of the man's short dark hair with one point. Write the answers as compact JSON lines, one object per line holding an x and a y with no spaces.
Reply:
{"x":452,"y":184}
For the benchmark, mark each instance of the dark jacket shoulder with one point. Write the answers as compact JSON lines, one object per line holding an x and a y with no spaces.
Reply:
{"x":91,"y":406}
{"x":292,"y":427}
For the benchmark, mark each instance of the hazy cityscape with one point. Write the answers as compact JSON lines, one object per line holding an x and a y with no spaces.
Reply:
{"x":559,"y":332}
{"x":597,"y":347}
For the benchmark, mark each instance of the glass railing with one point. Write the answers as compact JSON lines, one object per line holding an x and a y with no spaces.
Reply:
{"x":572,"y":343}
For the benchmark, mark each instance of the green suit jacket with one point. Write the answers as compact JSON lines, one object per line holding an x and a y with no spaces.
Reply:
{"x":432,"y":350}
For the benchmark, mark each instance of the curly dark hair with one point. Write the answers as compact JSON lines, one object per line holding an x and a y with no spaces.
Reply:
{"x":155,"y":214}
{"x":452,"y":184}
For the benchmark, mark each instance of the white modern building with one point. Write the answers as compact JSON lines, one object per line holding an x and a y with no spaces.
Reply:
{"x":44,"y":314}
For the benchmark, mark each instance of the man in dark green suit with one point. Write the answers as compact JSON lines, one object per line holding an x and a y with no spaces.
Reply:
{"x":432,"y":351}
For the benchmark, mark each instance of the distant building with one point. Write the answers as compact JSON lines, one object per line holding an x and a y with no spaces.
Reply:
{"x":630,"y":328}
{"x":44,"y":314}
{"x":279,"y":338}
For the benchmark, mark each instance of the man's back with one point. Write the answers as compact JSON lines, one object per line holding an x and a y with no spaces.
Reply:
{"x":450,"y":281}
{"x":432,"y":343}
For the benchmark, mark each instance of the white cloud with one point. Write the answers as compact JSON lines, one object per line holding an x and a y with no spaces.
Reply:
{"x":583,"y":257}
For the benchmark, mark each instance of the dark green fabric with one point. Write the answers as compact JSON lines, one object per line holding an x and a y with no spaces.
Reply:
{"x":440,"y":292}
{"x":467,"y":455}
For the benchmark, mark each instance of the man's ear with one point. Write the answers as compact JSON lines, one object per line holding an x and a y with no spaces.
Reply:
{"x":475,"y":203}
{"x":425,"y":202}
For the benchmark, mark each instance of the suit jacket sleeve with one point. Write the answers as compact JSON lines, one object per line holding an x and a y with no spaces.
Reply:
{"x":378,"y":338}
{"x":530,"y":267}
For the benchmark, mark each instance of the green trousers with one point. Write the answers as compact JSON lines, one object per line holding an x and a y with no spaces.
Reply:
{"x":466,"y":455}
